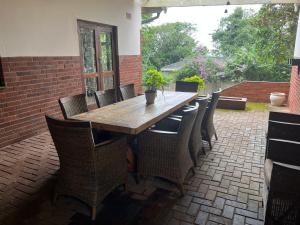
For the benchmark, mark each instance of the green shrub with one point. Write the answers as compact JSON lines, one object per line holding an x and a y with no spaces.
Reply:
{"x":197,"y":79}
{"x":187,"y":71}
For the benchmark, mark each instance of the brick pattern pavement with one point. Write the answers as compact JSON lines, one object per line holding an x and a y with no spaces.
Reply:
{"x":226,"y":189}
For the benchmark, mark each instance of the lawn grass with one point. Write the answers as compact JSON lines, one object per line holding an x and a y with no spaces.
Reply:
{"x":256,"y":106}
{"x":251,"y":106}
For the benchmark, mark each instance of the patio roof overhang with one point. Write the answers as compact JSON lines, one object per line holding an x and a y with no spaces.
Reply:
{"x":183,"y":3}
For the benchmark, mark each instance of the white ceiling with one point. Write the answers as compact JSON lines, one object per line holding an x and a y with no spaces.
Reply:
{"x":180,"y":3}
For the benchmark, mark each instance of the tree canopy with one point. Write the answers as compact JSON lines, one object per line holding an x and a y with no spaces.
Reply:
{"x":257,"y":46}
{"x":166,"y":44}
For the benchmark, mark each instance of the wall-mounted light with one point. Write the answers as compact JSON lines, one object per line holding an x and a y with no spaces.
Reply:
{"x":228,"y":3}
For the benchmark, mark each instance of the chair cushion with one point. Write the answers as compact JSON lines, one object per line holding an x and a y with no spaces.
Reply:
{"x":268,"y":172}
{"x":269,"y":167}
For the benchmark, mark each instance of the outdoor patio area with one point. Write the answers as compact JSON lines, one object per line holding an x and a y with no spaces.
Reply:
{"x":227,"y":187}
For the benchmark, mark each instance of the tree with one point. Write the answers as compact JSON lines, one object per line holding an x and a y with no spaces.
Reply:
{"x":166,"y":44}
{"x":234,"y":32}
{"x":258,"y":46}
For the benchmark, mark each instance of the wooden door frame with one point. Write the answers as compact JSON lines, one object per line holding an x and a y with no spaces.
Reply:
{"x":115,"y":51}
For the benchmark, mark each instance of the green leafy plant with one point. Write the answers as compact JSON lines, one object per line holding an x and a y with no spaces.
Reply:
{"x":153,"y":80}
{"x":187,"y":71}
{"x":197,"y":79}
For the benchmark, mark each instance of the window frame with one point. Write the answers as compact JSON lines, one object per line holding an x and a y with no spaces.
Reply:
{"x":97,"y":28}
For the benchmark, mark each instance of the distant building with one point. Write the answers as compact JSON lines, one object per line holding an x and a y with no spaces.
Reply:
{"x":218,"y":61}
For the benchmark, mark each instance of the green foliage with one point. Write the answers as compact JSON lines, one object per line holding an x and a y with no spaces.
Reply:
{"x":197,"y":79}
{"x":153,"y":80}
{"x":258,"y":46}
{"x":187,"y":71}
{"x":166,"y":44}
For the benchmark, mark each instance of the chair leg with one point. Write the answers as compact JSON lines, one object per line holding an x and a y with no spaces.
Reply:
{"x":94,"y":213}
{"x":54,"y":198}
{"x":216,"y":136}
{"x":203,"y":150}
{"x":193,"y":171}
{"x":210,"y":145}
{"x":180,"y":188}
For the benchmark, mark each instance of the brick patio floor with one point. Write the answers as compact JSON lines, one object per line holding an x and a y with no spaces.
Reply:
{"x":225,"y":190}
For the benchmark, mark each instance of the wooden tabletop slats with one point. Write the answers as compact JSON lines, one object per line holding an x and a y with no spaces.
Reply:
{"x":133,"y":116}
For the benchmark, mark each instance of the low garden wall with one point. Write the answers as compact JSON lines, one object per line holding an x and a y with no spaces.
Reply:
{"x":256,"y":91}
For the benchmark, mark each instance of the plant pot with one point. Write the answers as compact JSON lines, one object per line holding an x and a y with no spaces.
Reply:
{"x":277,"y":98}
{"x":150,"y":97}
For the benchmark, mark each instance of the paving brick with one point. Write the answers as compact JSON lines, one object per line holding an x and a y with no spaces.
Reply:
{"x":211,"y":195}
{"x":226,"y":189}
{"x":246,"y":213}
{"x":201,"y":218}
{"x":219,"y":203}
{"x":193,"y":209}
{"x":228,"y":211}
{"x":251,"y":221}
{"x":238,"y":220}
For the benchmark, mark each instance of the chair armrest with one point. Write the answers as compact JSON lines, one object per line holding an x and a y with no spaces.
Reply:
{"x":163,"y":132}
{"x":99,"y":145}
{"x":168,"y":124}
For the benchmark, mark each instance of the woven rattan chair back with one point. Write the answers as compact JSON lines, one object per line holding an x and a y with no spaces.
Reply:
{"x":107,"y":97}
{"x":73,"y":140}
{"x":195,"y":144}
{"x":186,"y":86}
{"x":186,"y":127}
{"x":73,"y":105}
{"x":127,"y":91}
{"x":284,"y":117}
{"x":208,"y":128}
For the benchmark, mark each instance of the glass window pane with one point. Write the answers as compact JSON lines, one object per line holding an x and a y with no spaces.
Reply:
{"x":90,"y":85}
{"x":88,"y":50}
{"x":106,"y":51}
{"x":108,"y":82}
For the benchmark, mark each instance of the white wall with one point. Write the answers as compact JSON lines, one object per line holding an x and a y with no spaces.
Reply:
{"x":49,"y":27}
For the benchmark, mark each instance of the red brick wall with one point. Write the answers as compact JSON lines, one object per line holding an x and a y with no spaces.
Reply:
{"x":256,"y":91}
{"x":33,"y":86}
{"x":294,"y":97}
{"x":131,"y":71}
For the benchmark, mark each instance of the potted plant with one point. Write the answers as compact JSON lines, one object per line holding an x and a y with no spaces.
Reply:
{"x":152,"y":81}
{"x":197,"y":79}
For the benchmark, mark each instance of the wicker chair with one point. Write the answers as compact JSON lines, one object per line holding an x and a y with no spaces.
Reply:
{"x":186,"y":86}
{"x":284,"y":117}
{"x":165,"y":153}
{"x":284,"y":126}
{"x":127,"y":91}
{"x":87,"y":172}
{"x":195,"y":142}
{"x":106,"y":98}
{"x":208,"y":129}
{"x":73,"y":105}
{"x":282,"y":181}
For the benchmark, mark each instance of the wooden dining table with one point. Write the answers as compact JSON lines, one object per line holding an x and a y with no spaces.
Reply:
{"x":133,"y":116}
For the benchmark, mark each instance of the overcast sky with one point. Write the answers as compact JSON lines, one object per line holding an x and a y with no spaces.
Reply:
{"x":206,"y":19}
